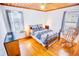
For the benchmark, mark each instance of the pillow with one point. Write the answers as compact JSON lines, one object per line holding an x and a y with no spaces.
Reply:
{"x":37,"y":27}
{"x":40,"y":26}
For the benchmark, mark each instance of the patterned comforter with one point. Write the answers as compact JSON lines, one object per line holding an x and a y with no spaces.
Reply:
{"x":44,"y":35}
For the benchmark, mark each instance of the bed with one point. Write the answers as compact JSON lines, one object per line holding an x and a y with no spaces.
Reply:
{"x":46,"y":37}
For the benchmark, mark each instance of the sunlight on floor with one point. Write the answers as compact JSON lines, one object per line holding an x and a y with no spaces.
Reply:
{"x":28,"y":45}
{"x":26,"y":49}
{"x":62,"y":52}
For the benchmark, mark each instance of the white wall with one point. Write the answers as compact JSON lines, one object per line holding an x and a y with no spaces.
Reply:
{"x":55,"y":17}
{"x":2,"y":34}
{"x":52,"y":18}
{"x":30,"y":16}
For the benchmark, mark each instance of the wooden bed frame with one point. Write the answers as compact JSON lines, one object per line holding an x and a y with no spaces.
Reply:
{"x":50,"y":42}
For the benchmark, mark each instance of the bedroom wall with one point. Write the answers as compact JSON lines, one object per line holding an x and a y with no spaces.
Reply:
{"x":30,"y":17}
{"x":51,"y":18}
{"x":55,"y":17}
{"x":2,"y":34}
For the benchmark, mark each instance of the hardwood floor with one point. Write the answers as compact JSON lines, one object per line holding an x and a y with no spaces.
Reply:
{"x":30,"y":47}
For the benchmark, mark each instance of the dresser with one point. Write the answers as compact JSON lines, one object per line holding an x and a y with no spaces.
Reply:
{"x":11,"y":46}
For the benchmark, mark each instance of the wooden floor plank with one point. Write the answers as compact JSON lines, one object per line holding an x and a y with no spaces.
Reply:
{"x":30,"y":47}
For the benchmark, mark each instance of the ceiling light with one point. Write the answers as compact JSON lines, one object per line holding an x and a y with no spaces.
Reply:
{"x":43,"y":5}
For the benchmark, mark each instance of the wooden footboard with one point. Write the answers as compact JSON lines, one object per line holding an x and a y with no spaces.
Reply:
{"x":51,"y":41}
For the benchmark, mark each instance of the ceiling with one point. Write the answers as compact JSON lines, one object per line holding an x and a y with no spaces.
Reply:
{"x":36,"y":6}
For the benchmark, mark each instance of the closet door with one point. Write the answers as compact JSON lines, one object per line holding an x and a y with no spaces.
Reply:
{"x":16,"y":23}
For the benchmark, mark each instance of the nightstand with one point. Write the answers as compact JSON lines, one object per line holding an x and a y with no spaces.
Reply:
{"x":12,"y":48}
{"x":11,"y":45}
{"x":46,"y":27}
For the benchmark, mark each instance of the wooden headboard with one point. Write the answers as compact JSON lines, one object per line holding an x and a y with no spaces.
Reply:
{"x":46,"y":26}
